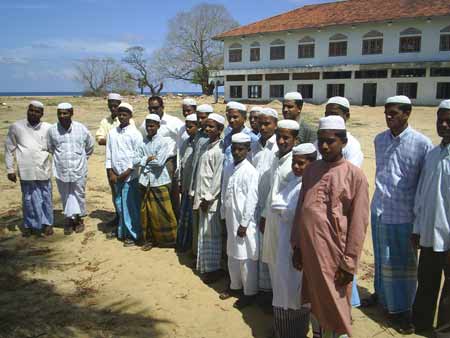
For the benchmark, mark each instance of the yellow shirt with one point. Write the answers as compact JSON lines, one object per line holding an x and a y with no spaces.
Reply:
{"x":106,"y":125}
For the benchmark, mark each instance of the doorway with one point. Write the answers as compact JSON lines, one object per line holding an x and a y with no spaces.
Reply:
{"x":369,"y":94}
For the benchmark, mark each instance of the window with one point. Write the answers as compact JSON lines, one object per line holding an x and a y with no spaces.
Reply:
{"x":276,"y":91}
{"x":306,"y":90}
{"x":255,"y":54}
{"x":235,"y":53}
{"x":338,"y":45}
{"x":440,"y":72}
{"x":254,"y":77}
{"x":277,"y":76}
{"x":306,"y":48}
{"x":443,"y":90}
{"x":254,"y":91}
{"x":306,"y":76}
{"x":410,"y":40}
{"x":409,"y":72}
{"x":372,"y":43}
{"x":336,"y":75}
{"x":335,"y":90}
{"x":236,"y":92}
{"x":408,"y":89}
{"x":444,"y":44}
{"x":235,"y":77}
{"x":277,"y":50}
{"x":371,"y":74}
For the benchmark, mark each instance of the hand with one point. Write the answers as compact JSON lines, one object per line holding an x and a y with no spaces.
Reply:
{"x":343,"y":277}
{"x":204,"y":205}
{"x":297,"y":259}
{"x":122,"y":177}
{"x":112,"y":177}
{"x":151,"y":158}
{"x":12,"y":177}
{"x":102,"y":142}
{"x":415,"y":241}
{"x":262,"y":224}
{"x":242,"y":231}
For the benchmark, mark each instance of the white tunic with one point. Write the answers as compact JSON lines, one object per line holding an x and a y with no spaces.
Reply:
{"x":239,"y":198}
{"x":281,"y":168}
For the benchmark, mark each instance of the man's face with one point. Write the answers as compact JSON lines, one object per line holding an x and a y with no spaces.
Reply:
{"x":34,"y":114}
{"x":151,"y":127}
{"x":239,"y":151}
{"x":201,"y":119}
{"x":235,"y":119}
{"x":124,"y":116}
{"x":191,"y":127}
{"x":267,"y":126}
{"x":299,"y":164}
{"x":395,"y":118}
{"x":443,"y":123}
{"x":187,"y":110}
{"x":155,"y":108}
{"x":113,"y":105}
{"x":285,"y":140}
{"x":254,"y":121}
{"x":65,"y":116}
{"x":330,"y":146}
{"x":290,"y":110}
{"x":334,"y":109}
{"x":212,"y":129}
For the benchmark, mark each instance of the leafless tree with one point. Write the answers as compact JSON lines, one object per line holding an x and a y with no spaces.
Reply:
{"x":143,"y":72}
{"x":189,"y":52}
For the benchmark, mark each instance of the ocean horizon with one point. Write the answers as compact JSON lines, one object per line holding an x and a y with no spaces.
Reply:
{"x":81,"y":93}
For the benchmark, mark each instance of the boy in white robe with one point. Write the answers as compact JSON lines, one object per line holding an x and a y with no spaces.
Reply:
{"x":239,"y":199}
{"x":290,"y":319}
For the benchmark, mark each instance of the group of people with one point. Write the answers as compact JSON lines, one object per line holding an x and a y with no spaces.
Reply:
{"x":281,"y":205}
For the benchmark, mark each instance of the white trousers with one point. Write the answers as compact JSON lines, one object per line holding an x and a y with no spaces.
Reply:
{"x":243,"y":275}
{"x":73,"y":197}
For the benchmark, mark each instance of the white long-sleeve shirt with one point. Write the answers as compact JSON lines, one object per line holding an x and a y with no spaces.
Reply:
{"x":239,"y":199}
{"x":121,"y":145}
{"x":28,"y":145}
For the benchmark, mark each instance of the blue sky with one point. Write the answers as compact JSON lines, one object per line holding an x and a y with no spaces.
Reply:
{"x":42,"y":39}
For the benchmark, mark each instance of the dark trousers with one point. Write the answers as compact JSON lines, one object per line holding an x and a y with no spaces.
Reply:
{"x":431,"y":266}
{"x":171,"y":165}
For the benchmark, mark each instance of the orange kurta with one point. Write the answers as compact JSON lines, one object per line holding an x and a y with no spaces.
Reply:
{"x":329,"y":228}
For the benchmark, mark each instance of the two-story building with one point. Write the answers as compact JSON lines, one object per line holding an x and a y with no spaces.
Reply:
{"x":365,"y":50}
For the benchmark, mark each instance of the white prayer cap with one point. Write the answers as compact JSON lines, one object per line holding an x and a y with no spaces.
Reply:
{"x":295,"y":96}
{"x":269,"y":112}
{"x":153,"y":117}
{"x":114,"y":96}
{"x":240,"y":138}
{"x":256,"y":109}
{"x":64,"y":105}
{"x":126,"y":106}
{"x":332,"y":122}
{"x":189,"y":102}
{"x":236,"y":105}
{"x":37,"y":104}
{"x":216,"y":117}
{"x":445,"y":104}
{"x":205,"y":108}
{"x":191,"y":118}
{"x":402,"y":99}
{"x":304,"y":149}
{"x":288,"y":124}
{"x":342,"y":101}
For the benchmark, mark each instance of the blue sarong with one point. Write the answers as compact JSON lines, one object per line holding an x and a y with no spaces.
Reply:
{"x":37,"y":204}
{"x":184,"y":231}
{"x":128,"y":203}
{"x":395,"y":265}
{"x":355,"y":301}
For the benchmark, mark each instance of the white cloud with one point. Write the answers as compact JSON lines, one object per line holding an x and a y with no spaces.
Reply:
{"x":6,"y":60}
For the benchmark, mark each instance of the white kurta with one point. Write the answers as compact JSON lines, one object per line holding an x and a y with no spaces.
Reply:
{"x":287,"y":280}
{"x":239,"y":198}
{"x":281,"y":168}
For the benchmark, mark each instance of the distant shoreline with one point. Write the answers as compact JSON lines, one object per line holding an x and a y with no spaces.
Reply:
{"x":78,"y":94}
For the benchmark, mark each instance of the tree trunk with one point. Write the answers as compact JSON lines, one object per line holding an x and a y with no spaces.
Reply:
{"x":155,"y":90}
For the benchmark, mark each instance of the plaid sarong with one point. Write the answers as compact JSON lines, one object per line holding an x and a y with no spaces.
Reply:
{"x":209,"y":247}
{"x":158,"y":220}
{"x":184,"y":231}
{"x":290,"y":323}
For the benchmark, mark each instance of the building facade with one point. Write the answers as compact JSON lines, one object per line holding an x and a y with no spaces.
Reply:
{"x":363,"y":61}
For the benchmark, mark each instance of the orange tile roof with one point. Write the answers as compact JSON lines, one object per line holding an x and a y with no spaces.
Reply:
{"x":343,"y":13}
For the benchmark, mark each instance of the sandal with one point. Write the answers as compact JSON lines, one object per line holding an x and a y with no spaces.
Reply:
{"x":128,"y":242}
{"x":369,"y":302}
{"x":79,"y":228}
{"x":228,"y":294}
{"x":48,"y":230}
{"x":147,"y":246}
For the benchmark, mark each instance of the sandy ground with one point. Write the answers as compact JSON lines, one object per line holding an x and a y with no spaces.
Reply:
{"x":86,"y":286}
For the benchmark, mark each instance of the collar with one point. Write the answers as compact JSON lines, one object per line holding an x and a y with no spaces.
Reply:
{"x":124,"y":129}
{"x":335,"y":164}
{"x":36,"y":127}
{"x":401,"y":135}
{"x":285,"y":157}
{"x":236,"y":167}
{"x":64,"y":129}
{"x":445,"y":149}
{"x":210,"y":145}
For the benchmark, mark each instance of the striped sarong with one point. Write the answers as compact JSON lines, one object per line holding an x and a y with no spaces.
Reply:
{"x":395,"y":265}
{"x":37,"y":206}
{"x":290,"y":323}
{"x":184,"y":231}
{"x":158,"y":220}
{"x":209,"y":247}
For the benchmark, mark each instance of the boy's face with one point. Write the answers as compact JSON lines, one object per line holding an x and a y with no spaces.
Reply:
{"x":124,"y":117}
{"x":267,"y":126}
{"x":239,"y":151}
{"x":299,"y":164}
{"x":201,"y":119}
{"x":285,"y":140}
{"x":151,"y":127}
{"x":395,"y":118}
{"x":191,"y":128}
{"x":254,"y":121}
{"x":290,"y":110}
{"x":235,"y":119}
{"x":330,"y":145}
{"x":334,"y":109}
{"x":187,"y":110}
{"x":113,"y":105}
{"x":212,"y":129}
{"x":443,"y":123}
